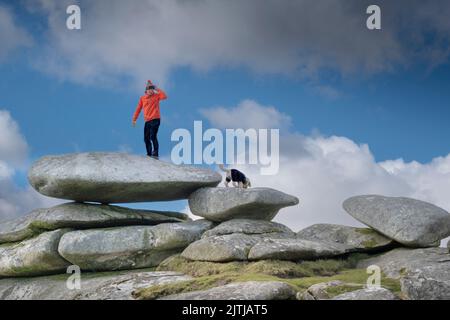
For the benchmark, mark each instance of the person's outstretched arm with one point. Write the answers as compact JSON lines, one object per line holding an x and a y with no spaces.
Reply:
{"x":138,"y":110}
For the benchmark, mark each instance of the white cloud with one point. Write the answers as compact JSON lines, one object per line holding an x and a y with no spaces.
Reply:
{"x":11,"y":35}
{"x":5,"y":171}
{"x":324,"y":171}
{"x":149,"y":38}
{"x":13,"y":147}
{"x":430,"y":180}
{"x":248,"y":114}
{"x":15,"y":201}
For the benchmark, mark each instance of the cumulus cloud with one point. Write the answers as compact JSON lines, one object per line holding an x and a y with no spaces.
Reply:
{"x":144,"y":39}
{"x":12,"y":36}
{"x":13,"y":147}
{"x":249,"y":114}
{"x":14,"y":200}
{"x":323,"y":171}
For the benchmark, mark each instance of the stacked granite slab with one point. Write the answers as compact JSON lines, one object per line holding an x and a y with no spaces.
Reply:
{"x":421,"y":266}
{"x":97,"y":235}
{"x":411,"y":222}
{"x":246,"y":231}
{"x":415,"y":227}
{"x":90,"y":232}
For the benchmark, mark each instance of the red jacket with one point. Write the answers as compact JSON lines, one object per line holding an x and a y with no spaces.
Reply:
{"x":150,"y":103}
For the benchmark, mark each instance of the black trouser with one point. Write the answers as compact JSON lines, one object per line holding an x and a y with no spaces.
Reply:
{"x":151,"y":137}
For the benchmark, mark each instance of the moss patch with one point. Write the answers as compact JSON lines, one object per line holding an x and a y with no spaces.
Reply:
{"x":375,"y":238}
{"x":366,"y":231}
{"x":198,"y":268}
{"x":278,"y":268}
{"x":300,"y":275}
{"x":354,"y":276}
{"x":370,"y":243}
{"x":337,"y":290}
{"x":200,"y":283}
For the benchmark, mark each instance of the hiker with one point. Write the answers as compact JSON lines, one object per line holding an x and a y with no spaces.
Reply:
{"x":152,"y":117}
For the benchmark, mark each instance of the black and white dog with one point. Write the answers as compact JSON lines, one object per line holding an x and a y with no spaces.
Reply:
{"x":238,"y":179}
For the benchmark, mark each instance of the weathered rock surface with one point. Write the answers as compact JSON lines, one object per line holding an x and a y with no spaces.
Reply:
{"x":36,"y":256}
{"x":367,"y":294}
{"x":251,"y":290}
{"x":293,"y":250}
{"x":98,"y":286}
{"x":354,"y":239}
{"x":318,"y":291}
{"x":241,"y":247}
{"x":411,"y":222}
{"x":129,"y":247}
{"x":247,"y":226}
{"x":424,"y":273}
{"x":420,"y":286}
{"x":116,"y":178}
{"x":81,"y":216}
{"x":228,"y":247}
{"x":222,"y":204}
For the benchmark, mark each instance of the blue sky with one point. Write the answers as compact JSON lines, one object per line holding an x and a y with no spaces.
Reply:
{"x":400,"y":110}
{"x":402,"y":115}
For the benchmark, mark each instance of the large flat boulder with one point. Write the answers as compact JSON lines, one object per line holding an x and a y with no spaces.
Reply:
{"x":36,"y":256}
{"x":408,"y":221}
{"x":243,"y":247}
{"x":424,"y":273}
{"x":81,"y":216}
{"x":222,"y":204}
{"x":129,"y":247}
{"x":250,"y":290}
{"x":116,"y":178}
{"x":353,"y":239}
{"x":94,"y":286}
{"x":294,"y":250}
{"x":224,"y":248}
{"x":247,"y":226}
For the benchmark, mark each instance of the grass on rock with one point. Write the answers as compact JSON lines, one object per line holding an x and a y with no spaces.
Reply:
{"x":299,"y":275}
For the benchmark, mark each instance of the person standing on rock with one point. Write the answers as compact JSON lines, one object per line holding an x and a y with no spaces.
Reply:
{"x":152,"y":117}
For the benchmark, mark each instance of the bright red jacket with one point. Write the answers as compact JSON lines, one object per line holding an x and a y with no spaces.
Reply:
{"x":150,"y":103}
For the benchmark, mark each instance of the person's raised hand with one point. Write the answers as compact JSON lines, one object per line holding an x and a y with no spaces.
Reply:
{"x":134,"y":123}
